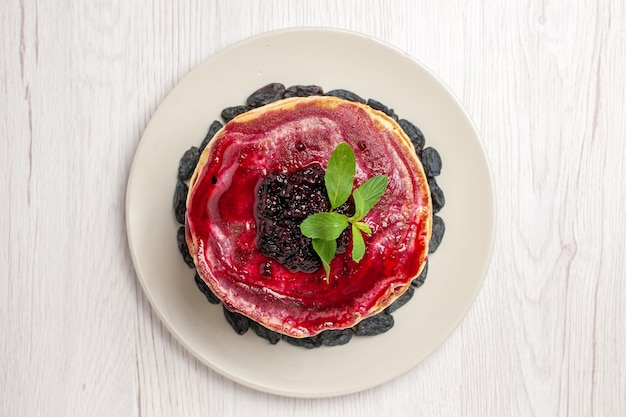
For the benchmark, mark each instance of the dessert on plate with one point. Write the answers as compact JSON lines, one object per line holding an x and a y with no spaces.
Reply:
{"x":264,"y":173}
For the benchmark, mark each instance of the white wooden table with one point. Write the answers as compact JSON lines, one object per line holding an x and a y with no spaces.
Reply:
{"x":543,"y":81}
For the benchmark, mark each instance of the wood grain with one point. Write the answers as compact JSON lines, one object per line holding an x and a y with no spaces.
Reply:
{"x":544,"y":83}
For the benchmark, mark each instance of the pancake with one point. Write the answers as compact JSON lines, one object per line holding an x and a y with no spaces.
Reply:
{"x":286,"y":137}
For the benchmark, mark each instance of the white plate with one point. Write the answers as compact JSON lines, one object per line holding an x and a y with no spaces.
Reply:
{"x":331,"y":59}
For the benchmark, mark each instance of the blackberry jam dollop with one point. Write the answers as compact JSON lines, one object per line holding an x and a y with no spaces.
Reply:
{"x":284,"y":200}
{"x":262,"y":174}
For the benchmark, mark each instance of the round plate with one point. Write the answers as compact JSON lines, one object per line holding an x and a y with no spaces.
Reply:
{"x":332,"y":59}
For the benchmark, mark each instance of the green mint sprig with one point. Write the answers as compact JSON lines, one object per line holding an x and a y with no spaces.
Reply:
{"x":324,"y":228}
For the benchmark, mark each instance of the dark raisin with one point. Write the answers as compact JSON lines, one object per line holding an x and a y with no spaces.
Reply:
{"x":419,"y":280}
{"x":229,"y":113}
{"x":371,"y":326}
{"x":238,"y":322}
{"x":431,"y":160}
{"x":267,"y":334}
{"x":215,"y":126}
{"x":377,"y":105}
{"x":303,"y":91}
{"x":204,"y":289}
{"x":188,"y":163}
{"x":439,"y":228}
{"x":182,"y":247}
{"x":414,"y":133}
{"x":436,"y":194}
{"x":265,"y":95}
{"x":306,"y":342}
{"x":336,"y":337}
{"x":402,"y":300}
{"x":180,"y":201}
{"x":346,"y":95}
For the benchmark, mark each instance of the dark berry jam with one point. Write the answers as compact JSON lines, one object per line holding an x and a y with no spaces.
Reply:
{"x":284,"y":200}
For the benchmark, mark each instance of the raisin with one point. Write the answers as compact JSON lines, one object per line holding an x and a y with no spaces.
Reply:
{"x":419,"y":280}
{"x":431,"y":160}
{"x":415,"y":135}
{"x":303,"y":91}
{"x":204,"y":289}
{"x":402,"y":300}
{"x":267,"y":334}
{"x":238,"y":322}
{"x":266,"y":95}
{"x":188,"y":163}
{"x":377,"y":105}
{"x":306,"y":342}
{"x":346,"y":95}
{"x":215,"y":126}
{"x":229,"y":113}
{"x":336,"y":337}
{"x":371,"y":326}
{"x":436,"y":194}
{"x":180,"y":201}
{"x":439,"y":228}
{"x":182,"y":247}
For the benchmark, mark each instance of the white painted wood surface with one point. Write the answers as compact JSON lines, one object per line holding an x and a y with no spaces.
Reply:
{"x":543,"y":81}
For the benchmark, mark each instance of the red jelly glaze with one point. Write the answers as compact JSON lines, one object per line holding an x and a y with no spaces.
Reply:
{"x":221,"y":226}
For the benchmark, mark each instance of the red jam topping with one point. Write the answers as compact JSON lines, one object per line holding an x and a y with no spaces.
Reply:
{"x":222,"y":228}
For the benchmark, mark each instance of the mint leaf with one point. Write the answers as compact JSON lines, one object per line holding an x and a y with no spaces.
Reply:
{"x":339,"y":177}
{"x":364,"y":227}
{"x":358,"y":245}
{"x":326,"y":226}
{"x":368,"y":194}
{"x":326,"y":250}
